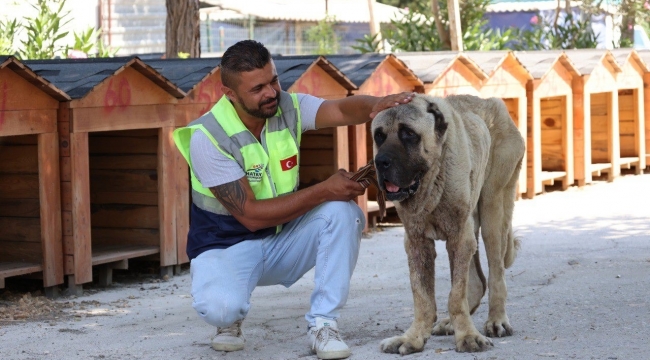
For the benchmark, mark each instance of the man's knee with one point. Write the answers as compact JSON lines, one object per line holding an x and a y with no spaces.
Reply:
{"x":221,"y":312}
{"x":344,"y":212}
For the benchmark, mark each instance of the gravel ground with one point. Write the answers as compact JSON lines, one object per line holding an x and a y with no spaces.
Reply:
{"x":578,"y":290}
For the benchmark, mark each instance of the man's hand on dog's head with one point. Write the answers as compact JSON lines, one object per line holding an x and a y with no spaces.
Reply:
{"x":390,"y":101}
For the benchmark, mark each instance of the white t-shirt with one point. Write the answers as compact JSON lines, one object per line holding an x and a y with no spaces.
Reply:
{"x":212,"y":168}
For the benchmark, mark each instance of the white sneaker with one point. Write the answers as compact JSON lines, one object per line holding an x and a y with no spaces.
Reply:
{"x":230,"y":338}
{"x":326,"y":341}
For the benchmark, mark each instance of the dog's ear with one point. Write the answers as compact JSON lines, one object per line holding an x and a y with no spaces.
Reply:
{"x":440,"y":122}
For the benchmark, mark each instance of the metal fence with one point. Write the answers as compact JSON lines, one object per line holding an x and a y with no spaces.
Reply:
{"x":280,"y":37}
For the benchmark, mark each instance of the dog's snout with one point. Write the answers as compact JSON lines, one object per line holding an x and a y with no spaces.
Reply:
{"x":382,"y":161}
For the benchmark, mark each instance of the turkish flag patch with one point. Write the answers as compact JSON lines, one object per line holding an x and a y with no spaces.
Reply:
{"x":289,"y":163}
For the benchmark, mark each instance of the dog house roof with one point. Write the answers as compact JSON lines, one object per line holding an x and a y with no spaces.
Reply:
{"x":77,"y":77}
{"x":428,"y":66}
{"x":359,"y":67}
{"x":28,"y":74}
{"x":291,"y":68}
{"x":185,"y":73}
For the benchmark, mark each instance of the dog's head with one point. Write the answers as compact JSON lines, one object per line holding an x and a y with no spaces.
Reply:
{"x":408,"y":141}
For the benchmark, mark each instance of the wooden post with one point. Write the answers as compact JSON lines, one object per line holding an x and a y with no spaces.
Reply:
{"x":360,"y":159}
{"x":646,"y":102}
{"x":614,"y":140}
{"x":50,"y":208}
{"x":341,"y":149}
{"x":534,"y":148}
{"x":81,"y":207}
{"x":567,"y":143}
{"x":167,"y":199}
{"x":455,"y":31}
{"x":639,"y":129}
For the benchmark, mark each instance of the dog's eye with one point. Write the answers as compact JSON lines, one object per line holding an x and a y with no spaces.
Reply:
{"x":380,"y":137}
{"x":409,"y":135}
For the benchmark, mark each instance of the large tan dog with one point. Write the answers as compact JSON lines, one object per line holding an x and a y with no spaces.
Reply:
{"x":451,"y":165}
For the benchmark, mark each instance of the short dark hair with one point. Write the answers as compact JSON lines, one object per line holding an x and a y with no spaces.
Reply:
{"x":245,"y":55}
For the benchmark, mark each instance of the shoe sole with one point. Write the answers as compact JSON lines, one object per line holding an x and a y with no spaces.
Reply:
{"x":331,"y":355}
{"x":228,"y":347}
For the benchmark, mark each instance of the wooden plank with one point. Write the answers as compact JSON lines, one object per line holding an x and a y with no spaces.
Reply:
{"x":385,"y":80}
{"x":581,"y":132}
{"x":51,"y":232}
{"x":123,"y":145}
{"x":133,"y":117}
{"x":64,"y":138}
{"x":124,"y":197}
{"x":138,"y":133}
{"x":124,"y":180}
{"x":81,"y":208}
{"x":317,"y":82}
{"x":19,"y":186}
{"x":126,"y":89}
{"x":520,"y":119}
{"x":309,"y":157}
{"x":16,"y":159}
{"x":19,"y":140}
{"x":20,"y":207}
{"x":9,"y":269}
{"x":125,"y":216}
{"x":108,"y":254}
{"x":128,"y":162}
{"x":167,"y":184}
{"x":25,"y":122}
{"x":183,"y":200}
{"x":341,"y":156}
{"x":309,"y":175}
{"x":358,"y":159}
{"x":20,"y":229}
{"x":16,"y":93}
{"x":316,"y":141}
{"x":21,"y":251}
{"x":121,"y":237}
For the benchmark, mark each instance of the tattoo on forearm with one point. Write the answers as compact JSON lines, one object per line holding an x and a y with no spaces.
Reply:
{"x":232,"y":195}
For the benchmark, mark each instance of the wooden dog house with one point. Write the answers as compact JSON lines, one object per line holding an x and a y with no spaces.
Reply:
{"x":376,"y":75}
{"x":30,"y":210}
{"x":323,"y":151}
{"x":595,"y":115}
{"x":507,"y":79}
{"x":550,"y":148}
{"x":631,"y":109}
{"x":118,"y":164}
{"x":645,"y":57}
{"x":200,"y":79}
{"x":445,"y":72}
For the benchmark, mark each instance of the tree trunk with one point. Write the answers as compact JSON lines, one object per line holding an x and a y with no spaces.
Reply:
{"x":444,"y":34}
{"x":455,"y":32}
{"x":182,"y":31}
{"x":627,"y":23}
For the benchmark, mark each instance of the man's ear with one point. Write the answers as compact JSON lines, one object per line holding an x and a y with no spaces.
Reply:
{"x":230,"y":94}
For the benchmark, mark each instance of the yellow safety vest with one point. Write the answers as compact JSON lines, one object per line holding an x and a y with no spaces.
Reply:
{"x":272,"y":169}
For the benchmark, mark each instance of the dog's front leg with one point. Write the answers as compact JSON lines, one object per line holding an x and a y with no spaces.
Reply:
{"x":421,"y":253}
{"x":461,"y":250}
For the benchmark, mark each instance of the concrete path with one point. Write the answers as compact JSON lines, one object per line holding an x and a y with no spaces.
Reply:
{"x":579,"y":289}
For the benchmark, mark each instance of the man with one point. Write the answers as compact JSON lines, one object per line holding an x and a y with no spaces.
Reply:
{"x":249,"y":226}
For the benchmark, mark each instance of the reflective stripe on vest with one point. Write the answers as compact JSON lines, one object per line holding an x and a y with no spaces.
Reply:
{"x":271,"y":170}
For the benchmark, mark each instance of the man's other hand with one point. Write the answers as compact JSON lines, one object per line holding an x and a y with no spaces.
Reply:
{"x":340,"y":188}
{"x":390,"y":101}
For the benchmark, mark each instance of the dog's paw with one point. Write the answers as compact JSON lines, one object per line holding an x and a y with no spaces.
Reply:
{"x":473,"y":343}
{"x":444,"y":327}
{"x":401,"y":345}
{"x":498,"y":328}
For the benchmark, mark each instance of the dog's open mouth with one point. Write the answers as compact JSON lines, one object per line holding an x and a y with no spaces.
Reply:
{"x":396,"y":193}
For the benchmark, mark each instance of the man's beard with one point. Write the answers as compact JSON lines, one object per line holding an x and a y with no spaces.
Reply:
{"x":259,"y":113}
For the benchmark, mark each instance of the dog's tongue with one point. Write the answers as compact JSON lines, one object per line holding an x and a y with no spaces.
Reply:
{"x":390,"y":187}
